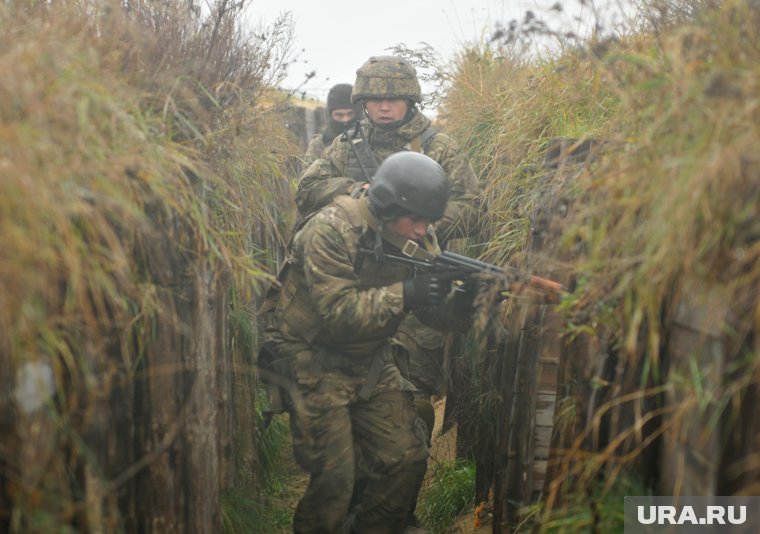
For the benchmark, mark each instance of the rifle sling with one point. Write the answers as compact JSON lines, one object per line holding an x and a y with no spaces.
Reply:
{"x":366,"y":159}
{"x":364,"y":155}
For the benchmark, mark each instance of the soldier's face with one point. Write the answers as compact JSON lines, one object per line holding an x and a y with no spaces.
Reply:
{"x":343,"y":115}
{"x":409,"y":227}
{"x":386,"y":110}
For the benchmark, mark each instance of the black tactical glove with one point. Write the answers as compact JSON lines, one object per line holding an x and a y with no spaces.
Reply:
{"x":428,"y":289}
{"x":464,"y":296}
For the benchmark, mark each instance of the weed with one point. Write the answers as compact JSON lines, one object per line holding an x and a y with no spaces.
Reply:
{"x":448,"y":492}
{"x":598,"y":508}
{"x":242,"y":514}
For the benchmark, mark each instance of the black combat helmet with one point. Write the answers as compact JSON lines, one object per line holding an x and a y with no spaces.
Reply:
{"x":410,"y":181}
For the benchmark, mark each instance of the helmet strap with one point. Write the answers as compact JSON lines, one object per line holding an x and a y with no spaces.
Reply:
{"x":378,"y":250}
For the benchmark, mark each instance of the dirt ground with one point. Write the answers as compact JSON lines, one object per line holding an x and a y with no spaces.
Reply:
{"x":443,"y":447}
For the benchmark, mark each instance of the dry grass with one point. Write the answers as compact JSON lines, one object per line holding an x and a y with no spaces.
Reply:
{"x":669,"y":205}
{"x":132,"y":142}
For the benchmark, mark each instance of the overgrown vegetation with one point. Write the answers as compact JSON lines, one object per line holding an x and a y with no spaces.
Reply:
{"x":662,"y":221}
{"x":263,"y":510}
{"x":596,"y":509}
{"x":448,"y":492}
{"x":143,"y":189}
{"x":142,"y":177}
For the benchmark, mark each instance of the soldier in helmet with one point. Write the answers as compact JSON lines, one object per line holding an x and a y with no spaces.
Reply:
{"x":388,"y":90}
{"x":341,"y":114}
{"x":338,"y":309}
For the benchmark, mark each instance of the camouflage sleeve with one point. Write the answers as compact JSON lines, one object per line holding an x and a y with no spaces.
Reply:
{"x":465,"y":208}
{"x":321,"y":182}
{"x":315,"y":149}
{"x":350,"y":313}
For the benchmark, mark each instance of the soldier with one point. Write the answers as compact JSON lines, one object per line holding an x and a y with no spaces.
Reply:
{"x":388,"y":90}
{"x":339,"y":307}
{"x":341,"y":114}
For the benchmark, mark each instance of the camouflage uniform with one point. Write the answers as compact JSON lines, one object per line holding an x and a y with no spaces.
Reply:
{"x":338,"y":173}
{"x":335,"y":174}
{"x":335,"y":317}
{"x":315,"y":149}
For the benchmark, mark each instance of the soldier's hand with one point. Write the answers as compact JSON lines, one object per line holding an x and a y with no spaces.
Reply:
{"x":428,"y":289}
{"x":464,"y":296}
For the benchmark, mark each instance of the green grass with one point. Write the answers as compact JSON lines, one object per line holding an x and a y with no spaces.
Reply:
{"x":243,"y":514}
{"x":597,"y":509}
{"x":449,"y":491}
{"x":668,"y":205}
{"x":262,"y":507}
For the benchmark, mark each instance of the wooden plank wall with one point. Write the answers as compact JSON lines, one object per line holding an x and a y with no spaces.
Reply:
{"x":536,"y":355}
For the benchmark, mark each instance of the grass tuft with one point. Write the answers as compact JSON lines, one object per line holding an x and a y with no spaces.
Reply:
{"x":449,"y":491}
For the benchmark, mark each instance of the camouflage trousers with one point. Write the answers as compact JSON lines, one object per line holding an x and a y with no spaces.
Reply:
{"x":335,"y":432}
{"x":424,"y":347}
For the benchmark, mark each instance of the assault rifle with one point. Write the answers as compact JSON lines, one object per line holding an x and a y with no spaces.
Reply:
{"x":518,"y":282}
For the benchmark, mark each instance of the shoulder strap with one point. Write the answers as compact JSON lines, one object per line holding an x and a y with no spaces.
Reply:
{"x":426,"y":136}
{"x":421,"y":142}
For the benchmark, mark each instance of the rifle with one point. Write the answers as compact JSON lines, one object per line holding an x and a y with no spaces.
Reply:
{"x":518,"y":282}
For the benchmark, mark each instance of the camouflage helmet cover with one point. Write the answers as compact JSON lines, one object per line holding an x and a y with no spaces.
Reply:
{"x":386,"y":77}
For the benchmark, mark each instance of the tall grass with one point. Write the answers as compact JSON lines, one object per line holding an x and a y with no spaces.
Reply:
{"x":142,"y":171}
{"x":667,"y":209}
{"x":449,"y":491}
{"x":262,"y":510}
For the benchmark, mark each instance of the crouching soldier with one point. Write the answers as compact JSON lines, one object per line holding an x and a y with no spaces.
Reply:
{"x":338,"y":309}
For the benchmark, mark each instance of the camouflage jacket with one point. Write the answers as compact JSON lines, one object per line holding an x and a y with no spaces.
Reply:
{"x":328,"y":176}
{"x":334,"y":298}
{"x":315,"y":149}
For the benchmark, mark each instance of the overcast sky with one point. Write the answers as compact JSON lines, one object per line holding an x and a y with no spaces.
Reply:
{"x":335,"y":37}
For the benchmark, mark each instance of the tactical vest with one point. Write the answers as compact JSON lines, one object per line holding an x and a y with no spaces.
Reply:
{"x":299,"y":318}
{"x":363,"y":155}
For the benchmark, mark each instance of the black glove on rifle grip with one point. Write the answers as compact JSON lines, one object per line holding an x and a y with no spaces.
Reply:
{"x":428,"y":289}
